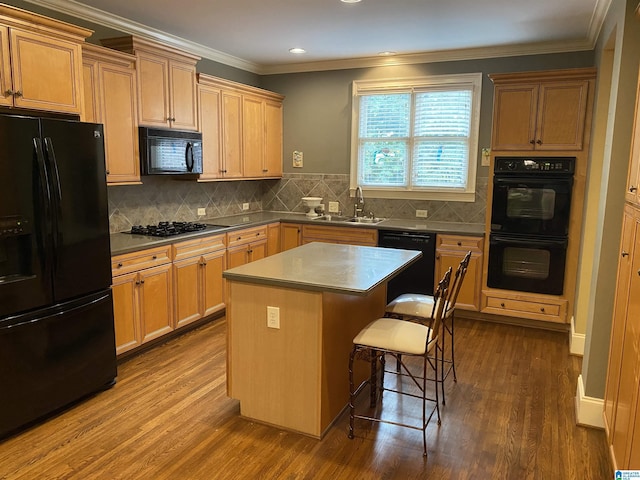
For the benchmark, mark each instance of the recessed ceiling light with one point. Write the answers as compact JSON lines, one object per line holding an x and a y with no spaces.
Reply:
{"x":297,"y":50}
{"x":350,"y":1}
{"x":386,"y":54}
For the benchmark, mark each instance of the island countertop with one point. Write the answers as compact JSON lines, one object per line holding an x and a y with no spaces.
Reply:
{"x":327,"y":267}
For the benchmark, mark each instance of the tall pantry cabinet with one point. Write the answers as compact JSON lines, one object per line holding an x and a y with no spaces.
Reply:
{"x":621,"y":403}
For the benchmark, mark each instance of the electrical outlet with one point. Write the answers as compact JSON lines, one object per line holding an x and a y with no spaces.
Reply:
{"x":298,"y":159}
{"x":421,"y":213}
{"x":486,"y":152}
{"x":245,"y":206}
{"x":273,"y":317}
{"x":202,"y":211}
{"x":334,"y":207}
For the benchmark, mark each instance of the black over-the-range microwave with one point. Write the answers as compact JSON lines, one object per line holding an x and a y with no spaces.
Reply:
{"x":170,"y":152}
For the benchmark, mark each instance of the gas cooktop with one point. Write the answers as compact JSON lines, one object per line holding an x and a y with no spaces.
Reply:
{"x":168,"y":229}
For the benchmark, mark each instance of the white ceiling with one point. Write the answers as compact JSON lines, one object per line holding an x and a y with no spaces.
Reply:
{"x":256,"y":35}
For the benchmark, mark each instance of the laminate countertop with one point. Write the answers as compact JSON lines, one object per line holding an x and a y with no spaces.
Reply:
{"x":327,"y":267}
{"x":125,"y":243}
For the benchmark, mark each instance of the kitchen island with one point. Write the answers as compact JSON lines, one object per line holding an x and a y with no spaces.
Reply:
{"x":291,"y":321}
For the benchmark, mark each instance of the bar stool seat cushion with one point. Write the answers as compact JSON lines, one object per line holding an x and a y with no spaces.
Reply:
{"x":395,"y":335}
{"x":411,"y":305}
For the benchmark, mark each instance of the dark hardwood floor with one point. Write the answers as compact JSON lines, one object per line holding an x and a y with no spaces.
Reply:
{"x":509,"y":416}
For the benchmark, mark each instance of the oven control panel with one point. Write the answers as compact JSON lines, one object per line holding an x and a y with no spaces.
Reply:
{"x":524,"y":165}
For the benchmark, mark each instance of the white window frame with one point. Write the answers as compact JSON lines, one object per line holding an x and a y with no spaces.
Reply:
{"x":400,"y":85}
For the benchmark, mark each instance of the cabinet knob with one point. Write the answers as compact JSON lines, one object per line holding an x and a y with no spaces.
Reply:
{"x":264,"y":170}
{"x":539,"y":142}
{"x":249,"y":251}
{"x":18,"y":93}
{"x":502,"y":304}
{"x":107,"y":172}
{"x":532,"y":142}
{"x":624,"y":254}
{"x":633,"y":189}
{"x":137,"y":282}
{"x":120,"y":265}
{"x":459,"y":244}
{"x":542,"y":309}
{"x":638,"y":272}
{"x":8,"y":93}
{"x":141,"y":281}
{"x":154,"y":257}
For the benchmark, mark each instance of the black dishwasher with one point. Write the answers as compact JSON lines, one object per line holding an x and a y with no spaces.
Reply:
{"x":418,"y":277}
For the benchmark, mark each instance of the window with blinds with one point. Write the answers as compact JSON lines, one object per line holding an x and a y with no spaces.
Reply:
{"x":414,"y":138}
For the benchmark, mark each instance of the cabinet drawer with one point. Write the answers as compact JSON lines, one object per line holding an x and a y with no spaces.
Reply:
{"x":131,"y":262}
{"x":459,"y":242}
{"x":345,"y":235}
{"x":246,"y":236}
{"x":525,"y":308}
{"x":198,"y":246}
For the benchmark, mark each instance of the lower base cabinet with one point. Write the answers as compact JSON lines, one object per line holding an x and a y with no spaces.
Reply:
{"x":197,"y":278}
{"x":450,"y":250}
{"x":142,"y":297}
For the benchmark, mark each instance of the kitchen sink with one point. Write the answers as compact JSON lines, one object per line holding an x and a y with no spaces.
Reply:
{"x":341,"y":218}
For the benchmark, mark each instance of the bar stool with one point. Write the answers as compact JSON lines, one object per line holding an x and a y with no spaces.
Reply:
{"x":419,"y":307}
{"x":400,"y":339}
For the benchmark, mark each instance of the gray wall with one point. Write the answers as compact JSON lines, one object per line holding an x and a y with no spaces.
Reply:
{"x":317,"y":105}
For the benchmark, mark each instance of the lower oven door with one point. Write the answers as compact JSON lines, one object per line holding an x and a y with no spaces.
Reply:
{"x":527,"y":264}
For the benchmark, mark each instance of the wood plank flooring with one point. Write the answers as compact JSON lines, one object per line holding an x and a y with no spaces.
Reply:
{"x":509,"y":416}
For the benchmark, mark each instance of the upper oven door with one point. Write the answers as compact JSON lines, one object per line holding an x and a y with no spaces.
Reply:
{"x":537,"y":205}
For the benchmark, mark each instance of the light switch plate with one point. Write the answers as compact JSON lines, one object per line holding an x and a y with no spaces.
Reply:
{"x":486,"y":161}
{"x":273,"y":317}
{"x":298,"y":159}
{"x":334,"y":207}
{"x":422,"y":213}
{"x":202,"y":211}
{"x":245,"y":206}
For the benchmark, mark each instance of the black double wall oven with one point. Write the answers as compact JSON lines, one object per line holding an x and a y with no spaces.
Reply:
{"x":530,"y":223}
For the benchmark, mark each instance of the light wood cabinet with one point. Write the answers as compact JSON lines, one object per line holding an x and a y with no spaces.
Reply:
{"x":541,"y":111}
{"x":450,"y":250}
{"x":290,"y":236}
{"x":167,"y":96}
{"x":142,"y":297}
{"x":621,"y":406}
{"x":244,"y":246}
{"x":241,"y":130}
{"x":110,"y":98}
{"x":343,"y":235}
{"x":40,"y":62}
{"x":197,"y":275}
{"x":633,"y":177}
{"x":273,"y":238}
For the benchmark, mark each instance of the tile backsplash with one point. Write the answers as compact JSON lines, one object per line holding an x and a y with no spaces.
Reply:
{"x":165,"y":199}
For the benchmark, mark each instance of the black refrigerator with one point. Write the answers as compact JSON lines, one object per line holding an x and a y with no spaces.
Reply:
{"x":57,"y":342}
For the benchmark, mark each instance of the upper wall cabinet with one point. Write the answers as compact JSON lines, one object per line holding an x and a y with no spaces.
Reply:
{"x":110,"y":98}
{"x":40,"y":62}
{"x":541,"y":110}
{"x":166,"y":83}
{"x":241,"y":130}
{"x":633,"y":177}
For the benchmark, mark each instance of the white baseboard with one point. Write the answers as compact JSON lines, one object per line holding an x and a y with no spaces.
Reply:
{"x":588,"y":409}
{"x":576,"y":340}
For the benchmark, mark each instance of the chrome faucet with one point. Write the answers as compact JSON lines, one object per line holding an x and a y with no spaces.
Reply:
{"x":358,"y":207}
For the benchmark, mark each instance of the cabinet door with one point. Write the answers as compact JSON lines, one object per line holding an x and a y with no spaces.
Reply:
{"x":237,"y":256}
{"x":183,"y":97}
{"x":273,"y":238}
{"x":562,"y":108}
{"x":209,"y":111}
{"x":186,"y":281}
{"x":633,"y":176}
{"x":119,"y":115}
{"x":514,"y":117}
{"x":125,"y":312}
{"x":213,"y":288}
{"x":619,"y":320}
{"x":290,"y":236}
{"x":231,"y":135}
{"x":153,"y":90}
{"x":156,"y":302}
{"x":47,"y":72}
{"x":273,"y":137}
{"x":253,"y":140}
{"x":257,"y":250}
{"x":5,"y":68}
{"x":91,"y":111}
{"x":469,"y":295}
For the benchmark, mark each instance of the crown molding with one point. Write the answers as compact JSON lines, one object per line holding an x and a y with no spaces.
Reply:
{"x":100,"y":17}
{"x":431,"y":57}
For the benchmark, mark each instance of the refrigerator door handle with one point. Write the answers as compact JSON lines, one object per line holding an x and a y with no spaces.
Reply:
{"x":57,"y":237}
{"x":46,"y":196}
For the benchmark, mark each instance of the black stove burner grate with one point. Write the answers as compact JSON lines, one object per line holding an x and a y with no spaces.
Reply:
{"x":167,"y":229}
